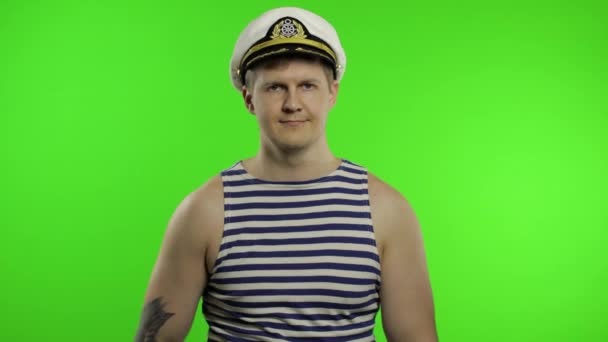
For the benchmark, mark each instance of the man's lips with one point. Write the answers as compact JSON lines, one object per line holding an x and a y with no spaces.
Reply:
{"x":293,"y":122}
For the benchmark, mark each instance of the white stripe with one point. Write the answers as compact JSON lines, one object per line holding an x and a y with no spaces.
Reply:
{"x":298,"y":235}
{"x":306,"y":323}
{"x":298,"y":223}
{"x":216,"y":337}
{"x":291,"y":273}
{"x":289,"y":199}
{"x":371,"y":338}
{"x":300,"y":210}
{"x":292,"y":333}
{"x":248,"y":337}
{"x":285,"y":286}
{"x":302,"y":311}
{"x":302,"y":260}
{"x":357,"y":185}
{"x":299,"y":247}
{"x":298,"y":299}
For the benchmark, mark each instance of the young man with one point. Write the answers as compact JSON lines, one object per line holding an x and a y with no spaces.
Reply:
{"x":293,"y":244}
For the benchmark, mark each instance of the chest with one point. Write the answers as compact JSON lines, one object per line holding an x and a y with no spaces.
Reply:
{"x":297,"y":258}
{"x":218,"y":239}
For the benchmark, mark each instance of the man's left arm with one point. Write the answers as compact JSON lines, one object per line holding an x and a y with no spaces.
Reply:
{"x":406,"y":298}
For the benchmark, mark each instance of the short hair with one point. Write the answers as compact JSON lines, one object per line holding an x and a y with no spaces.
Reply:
{"x":274,"y":61}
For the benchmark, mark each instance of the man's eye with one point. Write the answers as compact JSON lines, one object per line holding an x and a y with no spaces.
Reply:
{"x":308,"y":85}
{"x":274,"y":87}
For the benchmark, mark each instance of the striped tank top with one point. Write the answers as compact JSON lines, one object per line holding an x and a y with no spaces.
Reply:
{"x":298,"y":260}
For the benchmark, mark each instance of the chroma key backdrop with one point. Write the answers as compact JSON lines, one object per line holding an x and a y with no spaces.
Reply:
{"x":491,"y":118}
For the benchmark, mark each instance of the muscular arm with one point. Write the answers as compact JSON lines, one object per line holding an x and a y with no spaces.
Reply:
{"x":406,"y":299}
{"x":153,"y":318}
{"x":179,"y":275}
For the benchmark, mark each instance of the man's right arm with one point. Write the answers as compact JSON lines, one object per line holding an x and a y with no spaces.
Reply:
{"x":179,"y":275}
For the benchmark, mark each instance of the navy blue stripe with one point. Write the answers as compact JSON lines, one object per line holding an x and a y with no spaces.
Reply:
{"x":296,"y":327}
{"x":294,"y":339}
{"x":336,"y":178}
{"x":302,"y":317}
{"x":298,"y":241}
{"x":292,"y":279}
{"x":301,"y":254}
{"x":229,"y":337}
{"x":300,"y":192}
{"x":307,"y":266}
{"x":243,"y":331}
{"x":303,"y":216}
{"x":294,"y":292}
{"x":302,"y":204}
{"x":348,"y":338}
{"x":300,"y":229}
{"x":299,"y":305}
{"x":351,"y":170}
{"x":234,"y":172}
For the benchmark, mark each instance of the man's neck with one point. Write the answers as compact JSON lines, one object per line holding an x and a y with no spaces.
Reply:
{"x":292,"y":168}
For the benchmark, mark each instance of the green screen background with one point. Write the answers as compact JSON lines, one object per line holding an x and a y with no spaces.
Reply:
{"x":491,"y":118}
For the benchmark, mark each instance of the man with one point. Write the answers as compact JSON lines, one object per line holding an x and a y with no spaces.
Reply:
{"x":293,"y":244}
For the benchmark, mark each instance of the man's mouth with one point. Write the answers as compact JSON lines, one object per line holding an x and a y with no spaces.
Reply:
{"x":293,"y":122}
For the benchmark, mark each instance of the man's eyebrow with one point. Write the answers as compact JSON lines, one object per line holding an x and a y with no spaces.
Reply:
{"x":307,"y":80}
{"x":269,"y":83}
{"x":279,"y":83}
{"x":310,"y":80}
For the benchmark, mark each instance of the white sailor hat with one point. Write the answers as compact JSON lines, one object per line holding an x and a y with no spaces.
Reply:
{"x":286,"y":30}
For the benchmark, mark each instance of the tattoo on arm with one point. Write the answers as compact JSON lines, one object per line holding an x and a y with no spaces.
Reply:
{"x":153,"y":317}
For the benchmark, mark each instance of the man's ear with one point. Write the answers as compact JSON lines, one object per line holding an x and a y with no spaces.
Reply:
{"x":247,"y":99}
{"x":333,"y":93}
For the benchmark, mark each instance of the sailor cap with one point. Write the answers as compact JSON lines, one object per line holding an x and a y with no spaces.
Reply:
{"x":286,"y":30}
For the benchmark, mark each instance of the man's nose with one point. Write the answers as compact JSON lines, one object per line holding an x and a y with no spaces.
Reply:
{"x":291,"y":103}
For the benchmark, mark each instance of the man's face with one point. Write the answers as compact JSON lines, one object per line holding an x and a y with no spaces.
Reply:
{"x":287,"y":93}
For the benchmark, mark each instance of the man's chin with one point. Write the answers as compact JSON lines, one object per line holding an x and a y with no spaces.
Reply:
{"x":287,"y":146}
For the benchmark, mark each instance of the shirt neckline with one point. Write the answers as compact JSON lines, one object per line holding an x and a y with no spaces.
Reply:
{"x":250,"y":178}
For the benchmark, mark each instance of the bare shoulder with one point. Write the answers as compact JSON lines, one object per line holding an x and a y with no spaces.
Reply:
{"x":405,"y":295}
{"x":206,"y":196}
{"x":382,"y":191}
{"x":199,"y":218}
{"x":209,"y":199}
{"x":388,"y":206}
{"x":199,"y":205}
{"x":384,"y":198}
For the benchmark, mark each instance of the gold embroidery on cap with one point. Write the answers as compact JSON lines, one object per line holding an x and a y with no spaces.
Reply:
{"x":284,"y":32}
{"x":288,"y":28}
{"x":303,"y":41}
